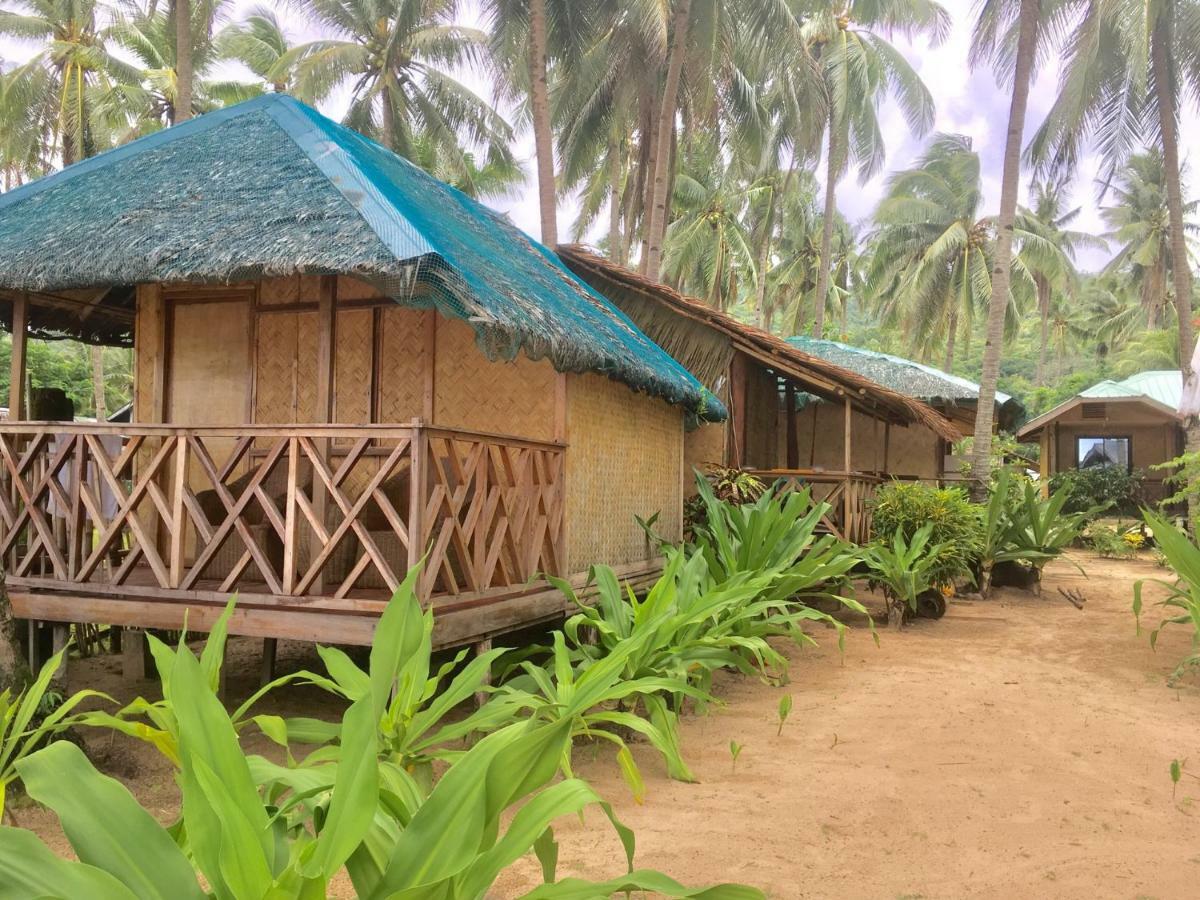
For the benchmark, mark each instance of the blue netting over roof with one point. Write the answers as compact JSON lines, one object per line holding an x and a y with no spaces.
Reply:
{"x":271,"y":187}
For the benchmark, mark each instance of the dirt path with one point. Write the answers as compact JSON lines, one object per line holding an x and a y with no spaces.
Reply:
{"x":1016,"y":748}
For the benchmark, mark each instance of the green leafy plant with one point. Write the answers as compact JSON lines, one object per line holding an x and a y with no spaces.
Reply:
{"x":252,"y":829}
{"x":906,"y":570}
{"x":1182,"y":601}
{"x":728,"y":485}
{"x":1097,"y":488}
{"x":28,"y":721}
{"x":904,"y":507}
{"x":1107,"y":543}
{"x":735,"y":750}
{"x":785,"y":710}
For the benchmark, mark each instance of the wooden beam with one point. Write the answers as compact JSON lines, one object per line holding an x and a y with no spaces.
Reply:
{"x":1044,"y":462}
{"x":792,"y":438}
{"x":326,"y":403}
{"x":736,"y":456}
{"x":20,"y":335}
{"x":429,"y":402}
{"x":847,"y":418}
{"x":887,"y":438}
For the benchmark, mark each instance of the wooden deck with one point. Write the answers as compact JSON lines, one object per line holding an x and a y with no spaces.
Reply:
{"x":312,"y":526}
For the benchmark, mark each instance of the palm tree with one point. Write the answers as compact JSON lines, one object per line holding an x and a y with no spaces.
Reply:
{"x":1048,"y":207}
{"x":932,"y":250}
{"x":258,"y":42}
{"x":708,"y":247}
{"x":1131,"y":68}
{"x":52,"y":92}
{"x":398,"y":56}
{"x":22,"y":143}
{"x":992,"y":42}
{"x":181,"y":11}
{"x":154,"y":99}
{"x":860,"y":67}
{"x":1139,"y":224}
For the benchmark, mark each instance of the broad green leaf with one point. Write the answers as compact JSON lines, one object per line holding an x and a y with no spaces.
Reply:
{"x":29,"y":870}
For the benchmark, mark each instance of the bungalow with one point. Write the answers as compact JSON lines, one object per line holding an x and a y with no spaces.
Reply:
{"x":343,"y":368}
{"x":1134,"y":423}
{"x":923,"y":454}
{"x":771,"y":387}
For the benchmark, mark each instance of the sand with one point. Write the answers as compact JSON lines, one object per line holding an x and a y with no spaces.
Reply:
{"x":1018,"y":747}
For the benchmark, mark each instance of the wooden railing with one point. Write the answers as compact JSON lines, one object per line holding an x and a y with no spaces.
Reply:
{"x":303,"y":511}
{"x":847,"y":493}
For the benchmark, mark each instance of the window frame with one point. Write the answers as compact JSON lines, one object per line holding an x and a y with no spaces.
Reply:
{"x":1128,"y":438}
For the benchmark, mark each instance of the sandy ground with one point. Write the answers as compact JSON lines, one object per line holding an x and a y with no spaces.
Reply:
{"x":1016,"y":748}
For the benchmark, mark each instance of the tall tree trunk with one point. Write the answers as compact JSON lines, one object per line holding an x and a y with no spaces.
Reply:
{"x":951,"y":334}
{"x":1181,"y":275}
{"x":543,"y":136}
{"x":389,"y":121}
{"x":666,"y":129}
{"x":649,"y":165}
{"x":832,"y":167}
{"x":1043,"y":292}
{"x":615,"y":171}
{"x":183,"y":60}
{"x":1027,"y":36}
{"x":98,"y":382}
{"x":764,"y":258}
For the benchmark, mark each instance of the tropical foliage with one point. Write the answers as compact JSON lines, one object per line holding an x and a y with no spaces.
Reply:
{"x":1182,"y":601}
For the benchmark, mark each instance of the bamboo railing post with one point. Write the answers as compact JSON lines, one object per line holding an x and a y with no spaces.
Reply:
{"x":289,"y":521}
{"x":418,"y":447}
{"x":178,"y":516}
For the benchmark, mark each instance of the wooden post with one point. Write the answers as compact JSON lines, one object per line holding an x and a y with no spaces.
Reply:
{"x":20,"y":333}
{"x":847,"y":417}
{"x":133,"y":654}
{"x":793,"y":439}
{"x":429,"y":394}
{"x":416,"y":505}
{"x":887,"y":437}
{"x":61,"y":634}
{"x":736,"y":455}
{"x":326,"y":404}
{"x":481,"y":697}
{"x":1044,"y":462}
{"x":179,"y":518}
{"x":267,"y":673}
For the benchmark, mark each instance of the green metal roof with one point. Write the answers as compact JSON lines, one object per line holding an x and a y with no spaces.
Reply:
{"x":270,"y":187}
{"x":904,"y":375}
{"x":1164,"y":386}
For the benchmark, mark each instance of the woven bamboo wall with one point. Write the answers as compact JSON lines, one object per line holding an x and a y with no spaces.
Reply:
{"x":474,"y":393}
{"x":625,"y":459}
{"x":402,"y":363}
{"x":912,"y":449}
{"x":275,"y":365}
{"x":352,"y":366}
{"x":701,"y":447}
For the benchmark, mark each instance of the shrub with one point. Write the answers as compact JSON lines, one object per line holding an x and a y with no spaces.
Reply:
{"x":1099,"y":488}
{"x":905,"y":569}
{"x":1107,"y":543}
{"x":903,"y":508}
{"x":1183,"y":596}
{"x":727,"y":485}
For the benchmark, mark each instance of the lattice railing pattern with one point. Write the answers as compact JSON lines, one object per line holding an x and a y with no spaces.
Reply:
{"x":849,"y":497}
{"x":283,"y":511}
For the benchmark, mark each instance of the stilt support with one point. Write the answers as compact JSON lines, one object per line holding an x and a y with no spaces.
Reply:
{"x":267,"y":672}
{"x":481,"y":697}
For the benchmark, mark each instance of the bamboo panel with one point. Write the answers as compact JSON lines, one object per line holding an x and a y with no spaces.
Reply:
{"x":279,"y":291}
{"x":702,"y":447}
{"x":624,"y":460}
{"x":402,"y":362}
{"x":310,"y":288}
{"x":352,"y":366}
{"x":275,"y":362}
{"x":762,"y":417}
{"x":472,"y":392}
{"x":304,"y":372}
{"x":353,"y":289}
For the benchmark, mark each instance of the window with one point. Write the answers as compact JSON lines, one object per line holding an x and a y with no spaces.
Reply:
{"x":1096,"y":452}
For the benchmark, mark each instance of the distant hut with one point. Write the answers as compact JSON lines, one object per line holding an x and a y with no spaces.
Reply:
{"x":917,"y":453}
{"x":1129,"y":424}
{"x":343,"y":367}
{"x":772,"y":388}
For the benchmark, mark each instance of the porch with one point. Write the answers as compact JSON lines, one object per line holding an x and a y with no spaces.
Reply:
{"x":849,"y":495}
{"x":312,"y":526}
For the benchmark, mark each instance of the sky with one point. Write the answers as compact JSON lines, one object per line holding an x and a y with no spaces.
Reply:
{"x":967,"y":103}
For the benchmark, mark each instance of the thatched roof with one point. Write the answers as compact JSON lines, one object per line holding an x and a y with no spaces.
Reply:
{"x":704,"y":339}
{"x":272,"y":188}
{"x":924,"y":382}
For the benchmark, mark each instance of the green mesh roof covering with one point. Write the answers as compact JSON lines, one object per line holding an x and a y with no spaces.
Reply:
{"x":904,"y":375}
{"x":270,"y":187}
{"x":1165,"y":386}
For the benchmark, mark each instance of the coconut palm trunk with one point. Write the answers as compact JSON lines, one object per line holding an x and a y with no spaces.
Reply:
{"x":543,"y":136}
{"x":831,"y":176}
{"x":183,"y":60}
{"x":1001,"y":264}
{"x":1043,"y":293}
{"x":615,"y":172}
{"x":1181,"y":274}
{"x":764,"y":258}
{"x":663,"y":144}
{"x":951,"y":334}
